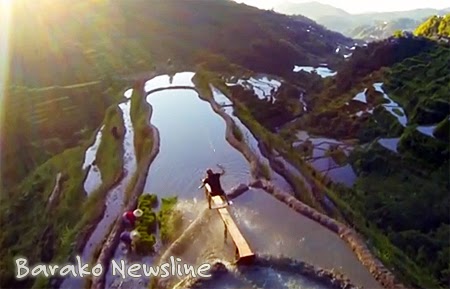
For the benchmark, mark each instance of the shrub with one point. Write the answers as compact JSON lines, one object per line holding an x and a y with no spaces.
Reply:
{"x":146,"y":225}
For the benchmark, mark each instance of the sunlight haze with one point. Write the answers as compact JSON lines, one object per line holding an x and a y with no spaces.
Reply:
{"x":360,"y":6}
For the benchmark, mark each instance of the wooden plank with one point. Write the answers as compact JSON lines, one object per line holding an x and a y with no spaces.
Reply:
{"x":219,"y":202}
{"x":244,"y":251}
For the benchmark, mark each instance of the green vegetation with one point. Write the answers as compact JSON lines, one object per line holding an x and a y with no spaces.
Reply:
{"x":368,"y":60}
{"x":41,"y":123}
{"x":110,"y":151}
{"x":143,"y":135}
{"x":435,"y":26}
{"x":404,"y":197}
{"x":285,"y":108}
{"x":124,"y":37}
{"x":238,"y":133}
{"x":146,"y":225}
{"x":202,"y":79}
{"x":400,"y":201}
{"x":337,"y":154}
{"x":305,"y":149}
{"x":90,"y":58}
{"x":442,"y":130}
{"x":169,"y":219}
{"x":46,"y":233}
{"x":421,"y":84}
{"x":245,"y":114}
{"x":382,"y":30}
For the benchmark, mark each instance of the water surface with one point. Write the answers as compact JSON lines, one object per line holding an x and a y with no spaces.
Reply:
{"x":114,"y":200}
{"x":94,"y":177}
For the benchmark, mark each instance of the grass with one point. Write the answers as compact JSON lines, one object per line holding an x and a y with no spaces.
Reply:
{"x":275,"y":142}
{"x":143,"y":136}
{"x":169,"y":220}
{"x":64,"y":224}
{"x":265,"y":170}
{"x":49,"y":124}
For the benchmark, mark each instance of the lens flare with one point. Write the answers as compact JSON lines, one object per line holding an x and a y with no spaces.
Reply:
{"x":5,"y":20}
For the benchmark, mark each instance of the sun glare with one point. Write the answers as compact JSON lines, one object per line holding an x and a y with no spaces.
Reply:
{"x":5,"y":19}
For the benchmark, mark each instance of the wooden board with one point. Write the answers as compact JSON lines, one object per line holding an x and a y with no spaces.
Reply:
{"x":244,"y":251}
{"x":219,"y":202}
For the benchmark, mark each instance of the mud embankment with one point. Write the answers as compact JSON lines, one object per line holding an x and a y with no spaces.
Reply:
{"x":377,"y":269}
{"x":323,"y":276}
{"x":111,"y":243}
{"x":255,"y":165}
{"x":350,"y":236}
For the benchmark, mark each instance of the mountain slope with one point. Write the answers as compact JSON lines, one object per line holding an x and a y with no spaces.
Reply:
{"x":313,"y":10}
{"x":401,"y":188}
{"x":435,"y":26}
{"x":93,"y":43}
{"x":344,"y":22}
{"x":383,"y":29}
{"x":144,"y":32}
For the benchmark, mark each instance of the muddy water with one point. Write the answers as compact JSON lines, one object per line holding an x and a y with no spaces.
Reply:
{"x":114,"y":199}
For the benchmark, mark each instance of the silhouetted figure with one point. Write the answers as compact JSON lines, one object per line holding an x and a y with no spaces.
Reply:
{"x":213,"y":180}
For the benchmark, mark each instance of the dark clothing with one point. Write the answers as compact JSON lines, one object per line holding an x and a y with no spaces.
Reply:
{"x":126,"y":238}
{"x":214,"y":182}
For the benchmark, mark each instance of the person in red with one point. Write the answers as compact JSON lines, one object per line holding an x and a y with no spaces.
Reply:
{"x":130,"y":217}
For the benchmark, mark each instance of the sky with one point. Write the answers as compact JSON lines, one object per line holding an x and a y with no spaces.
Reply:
{"x":361,"y":6}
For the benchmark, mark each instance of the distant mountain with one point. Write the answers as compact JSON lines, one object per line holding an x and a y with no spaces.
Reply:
{"x":343,"y":22}
{"x":313,"y":10}
{"x":383,"y":29}
{"x":435,"y":27}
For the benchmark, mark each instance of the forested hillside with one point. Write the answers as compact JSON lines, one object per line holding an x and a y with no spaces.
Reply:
{"x":383,"y":29}
{"x":71,"y":60}
{"x":94,"y":38}
{"x":435,"y":26}
{"x":344,"y":22}
{"x":84,"y":47}
{"x":403,"y":190}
